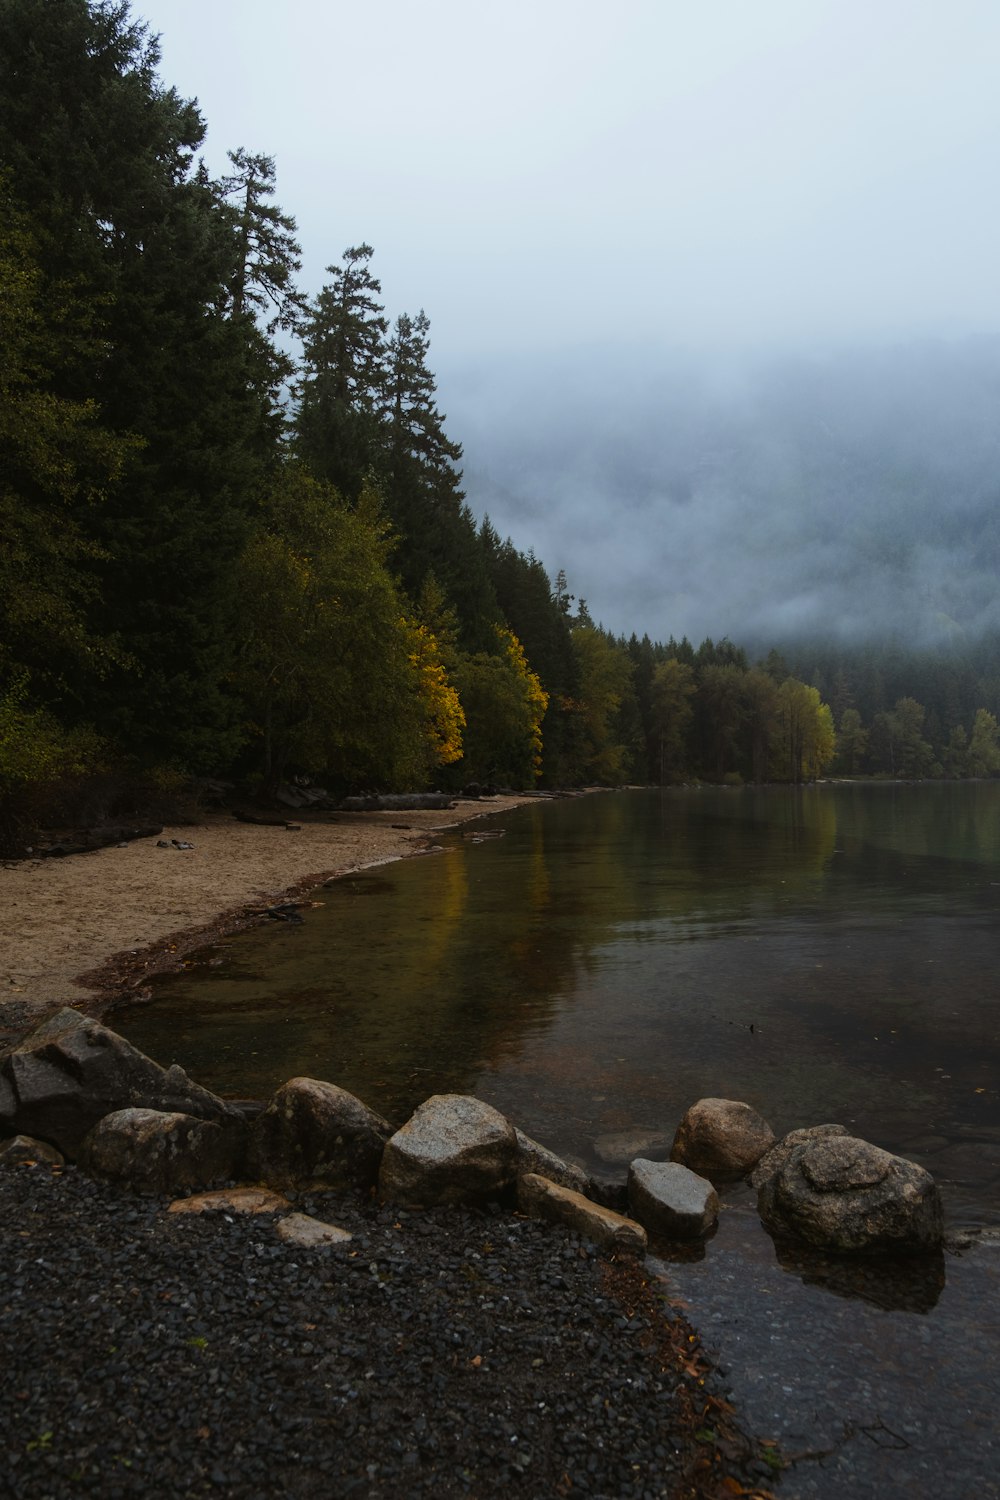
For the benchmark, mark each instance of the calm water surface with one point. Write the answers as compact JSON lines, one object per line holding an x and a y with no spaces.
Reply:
{"x":828,"y":954}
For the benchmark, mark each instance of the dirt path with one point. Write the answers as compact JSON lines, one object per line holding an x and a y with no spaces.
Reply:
{"x":80,"y":930}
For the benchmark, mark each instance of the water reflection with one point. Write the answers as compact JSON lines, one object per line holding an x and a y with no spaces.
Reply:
{"x":824,"y":953}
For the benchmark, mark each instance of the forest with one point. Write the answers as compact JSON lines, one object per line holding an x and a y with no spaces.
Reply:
{"x":235,"y":542}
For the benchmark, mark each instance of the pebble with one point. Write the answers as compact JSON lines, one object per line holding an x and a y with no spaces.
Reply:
{"x":184,"y":1355}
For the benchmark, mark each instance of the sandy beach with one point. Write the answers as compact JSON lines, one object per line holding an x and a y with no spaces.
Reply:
{"x":85,"y":929}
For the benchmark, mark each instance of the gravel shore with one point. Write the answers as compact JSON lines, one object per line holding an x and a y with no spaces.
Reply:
{"x":446,"y":1353}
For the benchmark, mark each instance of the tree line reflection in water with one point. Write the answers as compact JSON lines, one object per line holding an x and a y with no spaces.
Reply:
{"x":825,"y":953}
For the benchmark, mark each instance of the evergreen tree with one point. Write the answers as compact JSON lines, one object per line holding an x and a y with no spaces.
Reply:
{"x":422,"y":481}
{"x":267,"y":254}
{"x":852,"y":741}
{"x":342,"y":384}
{"x":99,"y":157}
{"x":673,"y":687}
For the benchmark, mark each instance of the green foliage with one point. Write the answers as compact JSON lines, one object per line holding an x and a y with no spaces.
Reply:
{"x":984,"y":746}
{"x":343,"y":375}
{"x":328,"y":668}
{"x":504,"y":705}
{"x":852,"y":741}
{"x":897,"y":745}
{"x":57,"y":466}
{"x":805,"y":743}
{"x":671,"y":690}
{"x":37,"y":756}
{"x":604,"y":674}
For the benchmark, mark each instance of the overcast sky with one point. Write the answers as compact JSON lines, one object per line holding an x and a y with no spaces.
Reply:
{"x":676,"y":179}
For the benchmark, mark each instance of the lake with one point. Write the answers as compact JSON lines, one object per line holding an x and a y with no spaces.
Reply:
{"x":826,"y":953}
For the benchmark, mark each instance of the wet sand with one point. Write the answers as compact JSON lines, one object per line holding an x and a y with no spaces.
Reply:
{"x":90,"y":928}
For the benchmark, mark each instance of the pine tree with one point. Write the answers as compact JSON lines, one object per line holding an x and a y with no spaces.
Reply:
{"x":341,"y":389}
{"x":423,"y":489}
{"x":100,"y":157}
{"x":267,"y":252}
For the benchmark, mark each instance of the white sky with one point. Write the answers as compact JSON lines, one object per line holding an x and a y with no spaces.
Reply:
{"x":702,"y":172}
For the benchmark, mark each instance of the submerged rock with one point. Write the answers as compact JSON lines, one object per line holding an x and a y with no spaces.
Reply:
{"x":453,"y":1149}
{"x":844,"y":1194}
{"x":623,"y":1146}
{"x":670,"y":1200}
{"x":533,"y":1157}
{"x":721,"y":1138}
{"x":71,"y":1071}
{"x":312,"y":1131}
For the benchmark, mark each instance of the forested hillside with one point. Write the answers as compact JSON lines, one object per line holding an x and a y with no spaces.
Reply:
{"x":234,"y":536}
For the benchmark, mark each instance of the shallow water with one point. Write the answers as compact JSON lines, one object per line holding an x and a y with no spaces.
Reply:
{"x":827,"y":953}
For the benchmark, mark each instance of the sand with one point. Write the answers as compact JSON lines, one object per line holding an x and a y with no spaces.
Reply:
{"x":88,"y":929}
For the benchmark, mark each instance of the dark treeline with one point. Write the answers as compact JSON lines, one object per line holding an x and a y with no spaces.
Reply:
{"x":220,"y":558}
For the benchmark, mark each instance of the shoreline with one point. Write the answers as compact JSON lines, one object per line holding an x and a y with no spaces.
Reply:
{"x":90,"y":929}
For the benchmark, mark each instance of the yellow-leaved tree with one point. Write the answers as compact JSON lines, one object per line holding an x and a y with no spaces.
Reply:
{"x":439,"y":704}
{"x":504,"y":704}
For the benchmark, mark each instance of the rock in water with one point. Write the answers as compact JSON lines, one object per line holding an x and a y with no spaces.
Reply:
{"x":315,"y":1132}
{"x":533,"y":1157}
{"x":159,"y":1152}
{"x":71,"y":1071}
{"x":721,"y":1139}
{"x":844,"y":1194}
{"x":623,"y":1146}
{"x":670,"y":1200}
{"x":776,"y":1156}
{"x":453,"y":1149}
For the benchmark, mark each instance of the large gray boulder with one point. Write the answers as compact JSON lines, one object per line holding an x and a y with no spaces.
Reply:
{"x":453,"y":1149}
{"x":315,"y":1132}
{"x":670,"y":1200}
{"x":721,"y":1139}
{"x":159,"y":1152}
{"x":71,"y":1071}
{"x":844,"y":1194}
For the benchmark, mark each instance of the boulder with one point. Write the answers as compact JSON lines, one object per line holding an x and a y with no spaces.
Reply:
{"x":846,"y":1195}
{"x":71,"y":1071}
{"x":158,"y":1152}
{"x":23,"y":1149}
{"x":532,"y":1157}
{"x":541,"y":1199}
{"x":453,"y":1149}
{"x":721,"y":1139}
{"x":670,"y":1200}
{"x":314,"y":1132}
{"x":776,"y":1156}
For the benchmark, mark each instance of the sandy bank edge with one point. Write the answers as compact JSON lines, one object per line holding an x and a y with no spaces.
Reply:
{"x":89,"y":930}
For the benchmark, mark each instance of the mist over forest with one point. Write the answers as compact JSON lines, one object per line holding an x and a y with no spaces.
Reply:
{"x":849,"y":496}
{"x":256,"y":530}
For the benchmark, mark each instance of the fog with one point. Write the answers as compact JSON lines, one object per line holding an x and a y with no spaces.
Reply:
{"x":847,"y":495}
{"x":713,"y":291}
